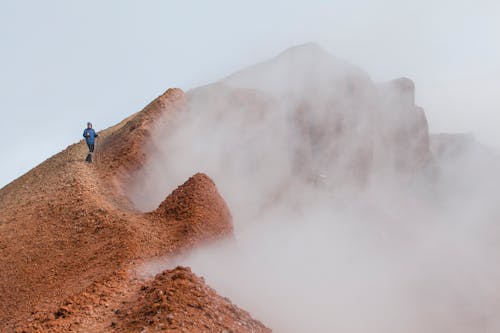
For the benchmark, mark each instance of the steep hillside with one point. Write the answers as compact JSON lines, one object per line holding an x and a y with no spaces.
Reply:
{"x":70,"y":237}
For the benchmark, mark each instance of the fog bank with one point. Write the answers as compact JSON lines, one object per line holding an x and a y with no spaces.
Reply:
{"x":348,"y":215}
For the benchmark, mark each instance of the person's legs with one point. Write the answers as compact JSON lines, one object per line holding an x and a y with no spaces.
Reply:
{"x":91,"y":151}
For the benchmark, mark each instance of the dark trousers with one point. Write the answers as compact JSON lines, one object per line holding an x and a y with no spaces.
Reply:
{"x":91,"y":147}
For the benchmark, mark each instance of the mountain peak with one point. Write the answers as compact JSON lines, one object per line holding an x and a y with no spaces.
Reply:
{"x":304,"y":69}
{"x":305,"y":49}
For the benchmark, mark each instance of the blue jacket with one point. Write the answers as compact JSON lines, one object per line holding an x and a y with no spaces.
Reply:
{"x":89,"y":134}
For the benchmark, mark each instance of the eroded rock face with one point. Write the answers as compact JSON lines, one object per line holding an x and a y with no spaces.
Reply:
{"x":328,"y":115}
{"x":404,"y":126}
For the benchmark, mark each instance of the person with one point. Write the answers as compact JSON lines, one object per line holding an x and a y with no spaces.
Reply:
{"x":89,"y":134}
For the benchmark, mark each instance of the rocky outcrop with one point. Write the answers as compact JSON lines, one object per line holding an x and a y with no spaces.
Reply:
{"x":198,"y":210}
{"x":331,"y":118}
{"x":404,"y":128}
{"x":179,"y":301}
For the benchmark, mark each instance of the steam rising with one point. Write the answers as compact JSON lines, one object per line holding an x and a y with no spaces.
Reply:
{"x":348,"y":216}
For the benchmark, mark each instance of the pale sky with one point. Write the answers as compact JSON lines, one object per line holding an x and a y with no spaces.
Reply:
{"x":63,"y":63}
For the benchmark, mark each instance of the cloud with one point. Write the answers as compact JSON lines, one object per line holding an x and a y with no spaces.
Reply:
{"x":344,"y":218}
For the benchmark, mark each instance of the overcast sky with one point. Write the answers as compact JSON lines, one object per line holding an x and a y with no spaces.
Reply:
{"x":63,"y":63}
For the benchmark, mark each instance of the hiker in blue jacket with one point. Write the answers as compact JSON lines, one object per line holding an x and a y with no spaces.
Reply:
{"x":89,"y":134}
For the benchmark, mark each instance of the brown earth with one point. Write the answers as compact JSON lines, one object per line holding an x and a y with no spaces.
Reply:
{"x":70,"y":240}
{"x":177,"y":299}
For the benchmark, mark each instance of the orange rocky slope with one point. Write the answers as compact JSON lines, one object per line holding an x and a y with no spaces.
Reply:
{"x":70,"y":239}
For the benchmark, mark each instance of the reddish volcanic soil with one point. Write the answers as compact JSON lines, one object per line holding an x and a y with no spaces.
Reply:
{"x":70,"y":240}
{"x":177,"y":299}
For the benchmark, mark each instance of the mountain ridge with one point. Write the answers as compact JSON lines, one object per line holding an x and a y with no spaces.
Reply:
{"x":69,"y":231}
